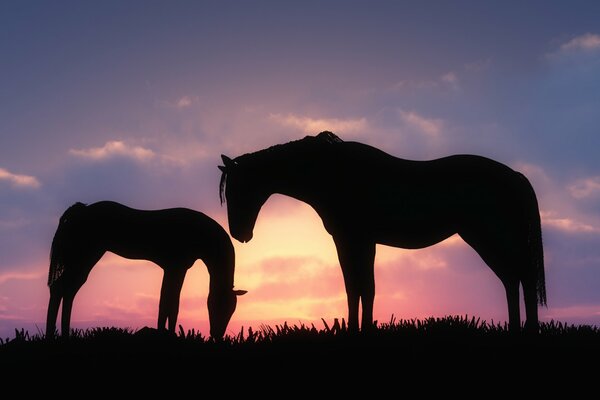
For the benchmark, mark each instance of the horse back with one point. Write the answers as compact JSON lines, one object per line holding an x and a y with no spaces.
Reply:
{"x":379,"y":194}
{"x":155,"y":234}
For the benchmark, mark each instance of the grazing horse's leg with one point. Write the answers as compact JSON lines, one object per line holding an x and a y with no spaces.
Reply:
{"x":356,"y":259}
{"x":177,"y":279}
{"x":72,"y":281}
{"x":170,"y":291}
{"x":512,"y":296}
{"x":531,"y":305}
{"x":53,"y":305}
{"x":67,"y":307}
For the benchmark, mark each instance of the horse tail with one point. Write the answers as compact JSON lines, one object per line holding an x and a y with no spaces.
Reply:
{"x":536,"y":248}
{"x":57,"y":251}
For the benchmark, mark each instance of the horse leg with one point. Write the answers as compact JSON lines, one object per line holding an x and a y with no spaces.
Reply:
{"x":70,"y":285}
{"x":67,"y":307}
{"x":502,"y":264}
{"x":352,"y":255}
{"x":163,"y":306}
{"x":178,"y":276}
{"x":53,"y":306}
{"x":514,"y":312}
{"x":367,"y":284}
{"x":170,"y":292}
{"x":531,"y":306}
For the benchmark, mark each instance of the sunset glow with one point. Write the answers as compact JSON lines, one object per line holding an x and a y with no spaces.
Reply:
{"x":135,"y":102}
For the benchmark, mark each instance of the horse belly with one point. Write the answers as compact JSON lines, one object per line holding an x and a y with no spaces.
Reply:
{"x":414,"y":236}
{"x":158,"y":248}
{"x":414,"y":241}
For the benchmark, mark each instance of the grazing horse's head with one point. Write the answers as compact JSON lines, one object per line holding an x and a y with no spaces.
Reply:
{"x":221,"y":306}
{"x":244,"y":195}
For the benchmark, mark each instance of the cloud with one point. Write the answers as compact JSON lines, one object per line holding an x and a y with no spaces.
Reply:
{"x":586,"y":46}
{"x":557,"y":209}
{"x":585,"y":188}
{"x":451,"y":79}
{"x":429,"y":126}
{"x":445,"y":81}
{"x":310,"y":125}
{"x":409,"y":84}
{"x":184,"y":102}
{"x":180,"y":103}
{"x":4,"y":277}
{"x":566,"y":224}
{"x":586,"y":42}
{"x":18,"y":180}
{"x":114,"y":148}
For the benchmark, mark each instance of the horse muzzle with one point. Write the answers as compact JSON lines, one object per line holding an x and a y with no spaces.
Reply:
{"x":243,"y":237}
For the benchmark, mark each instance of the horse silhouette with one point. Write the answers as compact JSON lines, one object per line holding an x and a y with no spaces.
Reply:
{"x":365,"y":196}
{"x":173,"y":239}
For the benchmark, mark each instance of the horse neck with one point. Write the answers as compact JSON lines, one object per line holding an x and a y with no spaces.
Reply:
{"x":222,"y":272}
{"x":291,"y":180}
{"x":217,"y":284}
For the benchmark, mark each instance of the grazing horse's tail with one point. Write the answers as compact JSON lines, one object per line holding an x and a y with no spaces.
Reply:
{"x":536,"y":250}
{"x":57,"y":265}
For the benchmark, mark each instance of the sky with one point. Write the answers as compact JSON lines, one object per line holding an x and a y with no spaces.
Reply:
{"x":135,"y":101}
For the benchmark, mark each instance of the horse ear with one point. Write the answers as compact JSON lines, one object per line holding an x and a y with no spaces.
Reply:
{"x":240,"y":292}
{"x":227,"y":161}
{"x":222,"y":168}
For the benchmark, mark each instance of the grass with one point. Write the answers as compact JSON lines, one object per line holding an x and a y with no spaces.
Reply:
{"x":397,"y":332}
{"x":448,"y":345}
{"x":452,"y":356}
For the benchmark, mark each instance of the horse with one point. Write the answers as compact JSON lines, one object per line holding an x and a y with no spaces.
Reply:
{"x":172,"y":238}
{"x":365,"y":196}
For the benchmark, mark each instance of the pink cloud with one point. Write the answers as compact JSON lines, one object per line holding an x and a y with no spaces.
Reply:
{"x":14,"y":275}
{"x":451,"y":79}
{"x":185,"y":102}
{"x":19,"y":180}
{"x":585,"y":188}
{"x":586,"y":42}
{"x":567,"y":224}
{"x":114,"y":148}
{"x":429,"y":126}
{"x":312,"y":126}
{"x":445,"y":81}
{"x":557,"y":209}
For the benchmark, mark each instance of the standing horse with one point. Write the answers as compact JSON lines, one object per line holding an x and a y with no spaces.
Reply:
{"x":173,"y":238}
{"x":365,"y":196}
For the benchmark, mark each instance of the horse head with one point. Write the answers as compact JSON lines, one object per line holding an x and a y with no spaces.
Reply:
{"x":221,"y":306}
{"x":244,"y":195}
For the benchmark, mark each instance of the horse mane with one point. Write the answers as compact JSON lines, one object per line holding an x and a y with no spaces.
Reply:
{"x":281,"y":151}
{"x":57,"y":265}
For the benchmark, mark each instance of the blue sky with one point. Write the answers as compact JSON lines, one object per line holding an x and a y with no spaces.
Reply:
{"x":135,"y":101}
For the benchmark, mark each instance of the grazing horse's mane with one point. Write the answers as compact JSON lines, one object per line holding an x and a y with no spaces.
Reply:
{"x":281,"y":151}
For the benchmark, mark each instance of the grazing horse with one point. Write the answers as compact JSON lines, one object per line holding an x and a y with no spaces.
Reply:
{"x":365,"y":196}
{"x":173,"y":239}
